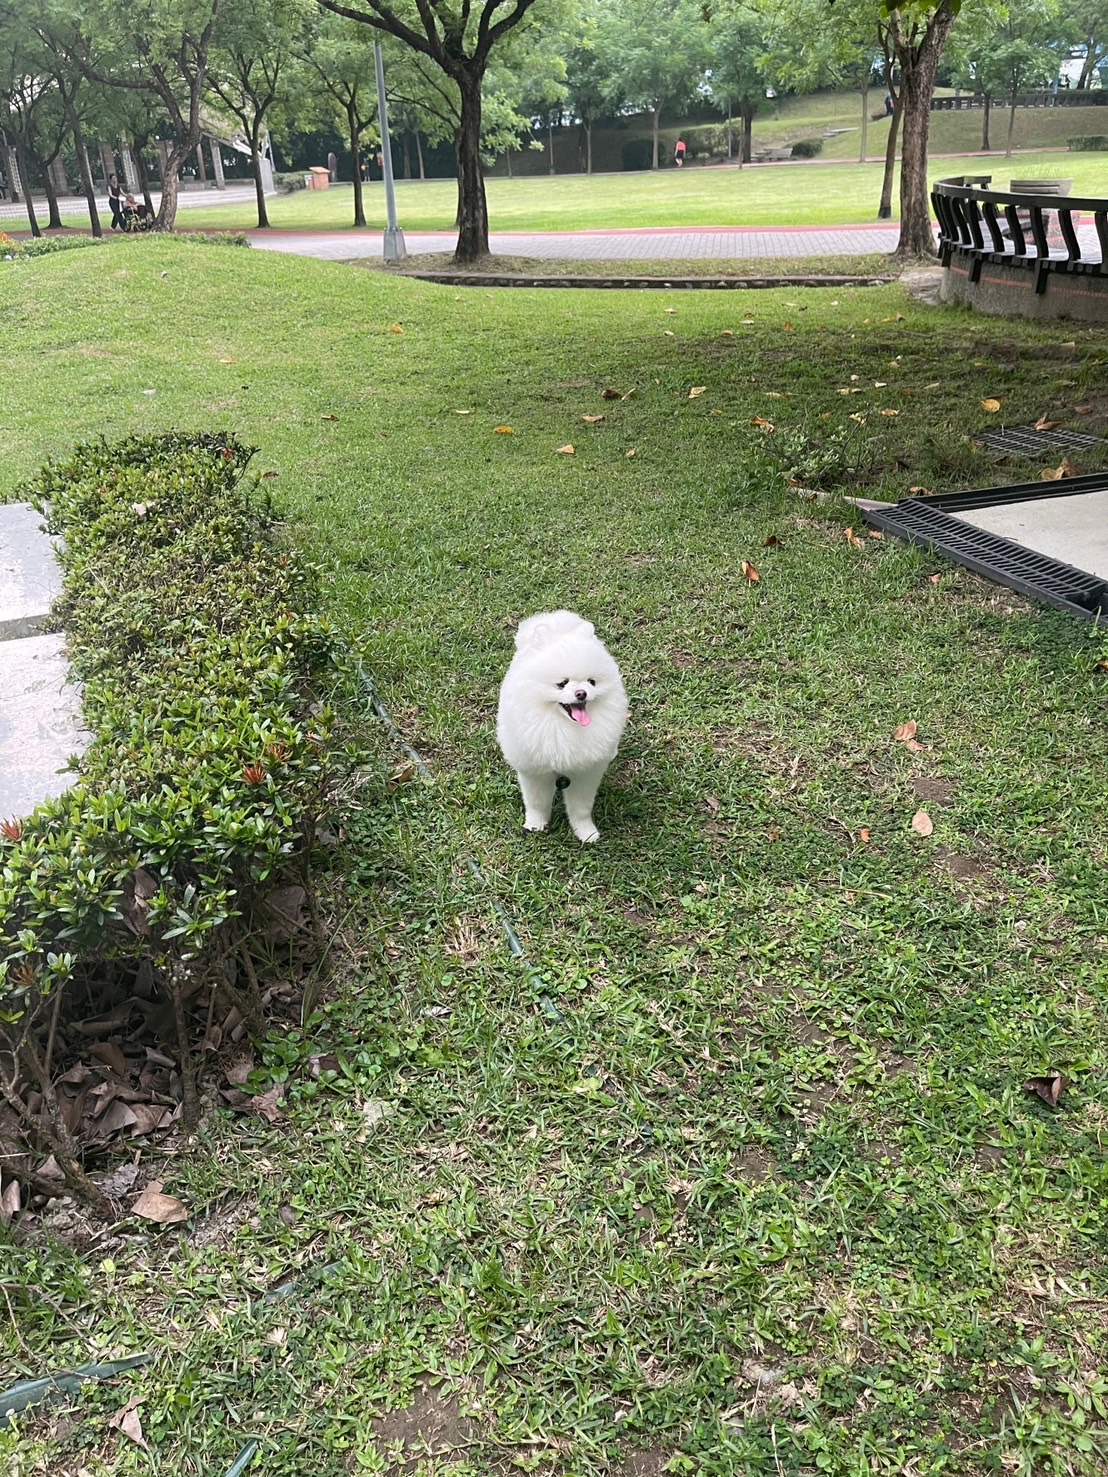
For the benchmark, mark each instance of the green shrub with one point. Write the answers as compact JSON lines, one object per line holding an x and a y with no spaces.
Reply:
{"x":705,"y":141}
{"x":1092,"y":143}
{"x":45,"y":245}
{"x":289,"y":182}
{"x":807,"y":148}
{"x":191,"y":626}
{"x":214,"y":238}
{"x":637,"y":153}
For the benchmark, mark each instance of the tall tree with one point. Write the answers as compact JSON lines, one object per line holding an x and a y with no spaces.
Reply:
{"x":739,"y":53}
{"x":458,"y":37}
{"x":252,"y":49}
{"x":657,"y":53}
{"x":1019,"y":52}
{"x":160,"y":48}
{"x":336,"y":58}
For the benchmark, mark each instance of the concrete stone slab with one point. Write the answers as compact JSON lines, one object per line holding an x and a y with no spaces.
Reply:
{"x":29,"y":574}
{"x":1073,"y":529}
{"x":40,"y":722}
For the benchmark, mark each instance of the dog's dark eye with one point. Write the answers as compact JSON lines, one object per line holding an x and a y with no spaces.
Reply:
{"x":562,"y":683}
{"x":591,"y":681}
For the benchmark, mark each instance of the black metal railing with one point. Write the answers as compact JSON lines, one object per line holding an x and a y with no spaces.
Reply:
{"x":1034,"y":230}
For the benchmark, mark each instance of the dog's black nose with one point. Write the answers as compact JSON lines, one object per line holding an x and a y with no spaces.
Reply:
{"x":582,"y":695}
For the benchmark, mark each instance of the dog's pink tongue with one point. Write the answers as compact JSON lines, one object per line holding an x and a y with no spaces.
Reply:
{"x":581,"y":715}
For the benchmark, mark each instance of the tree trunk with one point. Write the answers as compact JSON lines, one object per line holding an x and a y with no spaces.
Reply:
{"x":86,"y":173}
{"x":54,"y":215}
{"x":918,"y":66}
{"x":1089,"y":65}
{"x":355,"y":145}
{"x":473,"y":210}
{"x":508,"y":161}
{"x":655,"y":117}
{"x":588,"y":148}
{"x":864,"y":142}
{"x":550,"y":141}
{"x":746,"y":113}
{"x":1011,"y":124}
{"x":259,"y":183}
{"x":406,"y":145}
{"x":419,"y":155}
{"x":167,"y":210}
{"x":987,"y":108}
{"x":25,"y":181}
{"x":885,"y":205}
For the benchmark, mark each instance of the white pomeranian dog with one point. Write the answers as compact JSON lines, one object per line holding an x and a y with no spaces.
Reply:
{"x":561,"y":715}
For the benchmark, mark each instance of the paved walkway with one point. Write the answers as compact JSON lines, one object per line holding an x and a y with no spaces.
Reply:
{"x":712,"y":243}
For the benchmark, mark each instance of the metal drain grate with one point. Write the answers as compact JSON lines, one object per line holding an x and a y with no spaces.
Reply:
{"x":1018,"y":492}
{"x":1027,"y":441}
{"x":1035,"y":575}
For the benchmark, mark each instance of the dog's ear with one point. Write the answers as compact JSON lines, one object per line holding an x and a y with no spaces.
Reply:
{"x":532,"y":634}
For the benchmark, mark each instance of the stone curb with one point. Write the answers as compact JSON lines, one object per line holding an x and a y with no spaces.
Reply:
{"x":477,"y":279}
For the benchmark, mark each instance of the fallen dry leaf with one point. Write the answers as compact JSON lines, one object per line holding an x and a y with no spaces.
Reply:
{"x":727,"y":333}
{"x":912,"y":746}
{"x":567,"y":450}
{"x":463,"y":412}
{"x":857,"y":416}
{"x":905,"y":730}
{"x":403,"y":774}
{"x":268,"y":1104}
{"x":591,"y":420}
{"x":632,"y":453}
{"x":934,"y":579}
{"x":762,"y":424}
{"x":226,"y":361}
{"x":920,"y":491}
{"x":863,"y":834}
{"x":771,"y":542}
{"x":669,"y":310}
{"x":609,"y":394}
{"x":503,"y":431}
{"x":328,"y":417}
{"x":395,"y":328}
{"x":890,"y":412}
{"x":1082,"y":410}
{"x":163,"y":1210}
{"x":1049,"y":1088}
{"x":876,"y":533}
{"x":697,"y":390}
{"x":127,"y":1420}
{"x":1067,"y":468}
{"x":1044,"y":423}
{"x":669,"y":333}
{"x":750,"y":572}
{"x":9,"y":1202}
{"x":922,"y":823}
{"x":991,"y":405}
{"x":851,"y":537}
{"x":712,"y":803}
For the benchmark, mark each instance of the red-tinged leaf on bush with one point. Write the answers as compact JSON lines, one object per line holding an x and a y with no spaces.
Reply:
{"x":922,"y":823}
{"x":11,"y":830}
{"x":592,"y":420}
{"x":163,"y":1210}
{"x":863,"y":834}
{"x":905,"y":730}
{"x":567,"y":450}
{"x":254,"y":774}
{"x":1044,"y":423}
{"x":609,"y":394}
{"x":750,"y":572}
{"x":697,"y":390}
{"x":772,"y":542}
{"x":991,"y":405}
{"x":1050,"y":1088}
{"x":127,"y":1420}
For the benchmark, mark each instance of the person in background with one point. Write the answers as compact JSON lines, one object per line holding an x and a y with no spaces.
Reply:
{"x":679,"y":153}
{"x":115,"y":201}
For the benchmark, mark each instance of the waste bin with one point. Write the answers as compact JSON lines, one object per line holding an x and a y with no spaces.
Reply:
{"x":318,"y":177}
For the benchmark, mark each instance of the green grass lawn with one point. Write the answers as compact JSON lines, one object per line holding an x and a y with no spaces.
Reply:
{"x":770,"y":195}
{"x":733,"y":1173}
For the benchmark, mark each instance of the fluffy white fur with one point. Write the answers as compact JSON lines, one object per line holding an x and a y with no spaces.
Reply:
{"x":562,"y":711}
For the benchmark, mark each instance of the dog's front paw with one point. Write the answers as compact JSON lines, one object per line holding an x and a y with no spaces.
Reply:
{"x":538,"y":829}
{"x":588,"y":837}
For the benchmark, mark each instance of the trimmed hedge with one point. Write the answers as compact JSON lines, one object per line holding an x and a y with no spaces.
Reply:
{"x":807,"y":148}
{"x":191,"y":626}
{"x":1090,"y":143}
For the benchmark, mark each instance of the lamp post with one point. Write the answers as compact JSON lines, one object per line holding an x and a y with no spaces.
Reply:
{"x":394,"y":247}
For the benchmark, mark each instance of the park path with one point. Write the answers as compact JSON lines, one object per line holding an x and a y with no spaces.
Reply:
{"x":661,"y":243}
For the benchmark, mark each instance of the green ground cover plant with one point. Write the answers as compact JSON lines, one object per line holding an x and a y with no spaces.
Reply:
{"x":734,"y":1170}
{"x":192,"y":630}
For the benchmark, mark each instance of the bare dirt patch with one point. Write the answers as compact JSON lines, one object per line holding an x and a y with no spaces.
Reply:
{"x":432,"y":1426}
{"x":934,"y":791}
